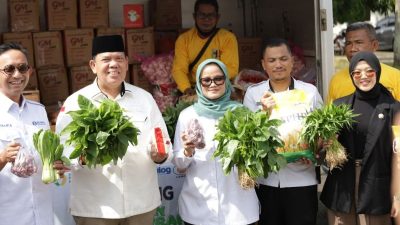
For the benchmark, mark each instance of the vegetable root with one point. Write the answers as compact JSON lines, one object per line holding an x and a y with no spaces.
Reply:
{"x":336,"y":155}
{"x":245,"y":181}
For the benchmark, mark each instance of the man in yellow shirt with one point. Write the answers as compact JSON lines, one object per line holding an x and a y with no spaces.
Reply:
{"x":361,"y":36}
{"x":223,"y":46}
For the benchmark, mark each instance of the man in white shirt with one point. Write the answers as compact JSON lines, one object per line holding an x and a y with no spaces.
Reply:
{"x":125,"y":193}
{"x":23,"y":201}
{"x":288,"y":197}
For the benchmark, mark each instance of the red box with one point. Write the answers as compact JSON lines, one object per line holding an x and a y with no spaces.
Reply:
{"x":133,"y":16}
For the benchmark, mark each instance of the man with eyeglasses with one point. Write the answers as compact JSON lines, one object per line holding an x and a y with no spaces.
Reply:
{"x":288,"y":197}
{"x":361,"y":36}
{"x":23,"y":200}
{"x":223,"y":46}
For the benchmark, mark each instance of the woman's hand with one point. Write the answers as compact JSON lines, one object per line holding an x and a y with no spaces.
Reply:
{"x":394,"y":212}
{"x":267,"y":101}
{"x":188,"y":146}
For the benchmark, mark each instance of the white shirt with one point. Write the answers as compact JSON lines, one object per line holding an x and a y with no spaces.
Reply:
{"x":23,"y":201}
{"x":294,"y":174}
{"x":130,"y":187}
{"x":208,"y":196}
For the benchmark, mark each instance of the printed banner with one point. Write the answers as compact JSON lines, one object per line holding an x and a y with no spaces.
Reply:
{"x":170,"y":184}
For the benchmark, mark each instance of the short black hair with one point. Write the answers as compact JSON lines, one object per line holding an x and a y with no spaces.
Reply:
{"x":13,"y":46}
{"x":276,"y":42}
{"x":362,"y":26}
{"x":206,"y":2}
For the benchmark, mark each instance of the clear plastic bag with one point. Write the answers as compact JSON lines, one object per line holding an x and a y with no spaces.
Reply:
{"x":24,"y":164}
{"x":195,"y":133}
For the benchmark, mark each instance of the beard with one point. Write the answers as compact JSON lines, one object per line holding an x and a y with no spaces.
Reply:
{"x":205,"y":33}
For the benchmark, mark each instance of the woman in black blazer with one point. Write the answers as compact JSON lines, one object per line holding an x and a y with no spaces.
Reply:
{"x":362,"y":191}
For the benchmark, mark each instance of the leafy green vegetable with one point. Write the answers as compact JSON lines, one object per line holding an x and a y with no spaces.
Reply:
{"x":249,"y":140}
{"x":171,"y":115}
{"x":48,"y":145}
{"x":99,"y":134}
{"x":325,"y":123}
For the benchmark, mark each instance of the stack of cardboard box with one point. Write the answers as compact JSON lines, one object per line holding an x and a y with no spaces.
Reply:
{"x":59,"y":54}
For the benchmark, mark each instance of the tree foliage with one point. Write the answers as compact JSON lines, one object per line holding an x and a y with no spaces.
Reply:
{"x":359,"y":10}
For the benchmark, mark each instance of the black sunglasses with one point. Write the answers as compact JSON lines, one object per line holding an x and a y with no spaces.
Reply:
{"x":206,"y":82}
{"x":10,"y":69}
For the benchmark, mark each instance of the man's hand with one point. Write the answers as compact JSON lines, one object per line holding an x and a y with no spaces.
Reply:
{"x":156,"y":156}
{"x":189,"y":91}
{"x":9,"y":153}
{"x":267,"y":101}
{"x":60,"y":167}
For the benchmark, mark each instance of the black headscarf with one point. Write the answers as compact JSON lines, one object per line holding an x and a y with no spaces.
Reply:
{"x":374,"y":63}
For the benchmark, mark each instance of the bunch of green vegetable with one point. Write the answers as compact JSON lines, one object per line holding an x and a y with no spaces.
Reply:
{"x":248,"y":140}
{"x":171,"y":115}
{"x":324,"y":123}
{"x":48,"y":145}
{"x":99,"y":134}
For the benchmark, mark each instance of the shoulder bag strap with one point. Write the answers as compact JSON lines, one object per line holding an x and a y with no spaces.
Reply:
{"x":202,"y":50}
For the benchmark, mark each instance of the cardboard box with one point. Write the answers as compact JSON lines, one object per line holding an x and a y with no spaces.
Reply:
{"x":167,"y":14}
{"x":138,"y":79}
{"x":61,"y":14}
{"x":33,"y":82}
{"x":104,"y":31}
{"x":78,"y":46}
{"x":52,"y":112}
{"x":93,"y":13}
{"x":133,"y":16}
{"x":33,"y":95}
{"x":23,"y":15}
{"x":139,"y":43}
{"x":48,"y":49}
{"x":80,"y":77}
{"x":53,"y":83}
{"x":250,"y":53}
{"x":24,"y":39}
{"x":165,"y":41}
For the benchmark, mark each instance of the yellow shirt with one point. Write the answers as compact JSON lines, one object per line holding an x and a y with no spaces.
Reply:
{"x":341,"y":84}
{"x":223,"y":47}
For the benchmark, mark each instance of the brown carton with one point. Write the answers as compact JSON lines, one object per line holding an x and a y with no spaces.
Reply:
{"x":61,"y":14}
{"x":79,"y":77}
{"x":103,"y":31}
{"x":165,"y":41}
{"x":33,"y":95}
{"x":23,"y":15}
{"x":138,"y":79}
{"x":48,"y":49}
{"x":167,"y":14}
{"x":53,"y":83}
{"x":139,"y":43}
{"x":78,"y":46}
{"x":93,"y":13}
{"x":33,"y":82}
{"x":24,"y":39}
{"x":250,"y":50}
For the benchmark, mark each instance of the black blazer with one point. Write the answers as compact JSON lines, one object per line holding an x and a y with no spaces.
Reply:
{"x":374,"y":186}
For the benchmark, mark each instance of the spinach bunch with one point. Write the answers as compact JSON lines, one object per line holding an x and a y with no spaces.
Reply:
{"x":325,"y":123}
{"x":171,"y":115}
{"x":248,"y":140}
{"x":99,"y":134}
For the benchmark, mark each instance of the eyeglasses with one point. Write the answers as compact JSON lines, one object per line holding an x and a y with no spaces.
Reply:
{"x":356,"y":74}
{"x":9,"y":70}
{"x":203,"y":16}
{"x":206,"y":82}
